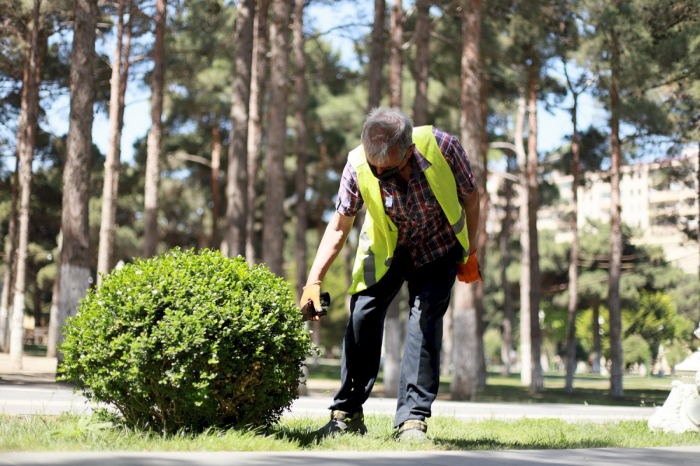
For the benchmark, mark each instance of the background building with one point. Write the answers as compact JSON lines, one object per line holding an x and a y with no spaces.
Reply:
{"x":659,"y":201}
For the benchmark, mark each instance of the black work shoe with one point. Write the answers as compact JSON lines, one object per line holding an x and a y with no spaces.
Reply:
{"x":413,"y":430}
{"x":343,"y":422}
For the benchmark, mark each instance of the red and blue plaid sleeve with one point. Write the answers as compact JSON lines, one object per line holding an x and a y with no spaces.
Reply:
{"x":458,"y":160}
{"x":349,"y":198}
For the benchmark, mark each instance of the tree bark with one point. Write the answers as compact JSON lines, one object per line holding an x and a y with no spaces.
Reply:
{"x":508,"y":317}
{"x":155,"y":136}
{"x":215,"y":167}
{"x":396,"y":54}
{"x":392,"y":348}
{"x":111,"y":178}
{"x":573,"y":266}
{"x":422,"y":62}
{"x":616,"y":370}
{"x":257,"y":92}
{"x":483,"y":216}
{"x":595,"y":365}
{"x":75,"y":253}
{"x":376,"y":54}
{"x":237,"y":176}
{"x":300,"y":117}
{"x":36,"y":303}
{"x":525,"y":340}
{"x":26,"y":155}
{"x":537,"y":382}
{"x":447,"y":343}
{"x":54,"y":316}
{"x":465,"y":314}
{"x":273,"y":234}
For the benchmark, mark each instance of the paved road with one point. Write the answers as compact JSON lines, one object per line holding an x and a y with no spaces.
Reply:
{"x":677,"y":456}
{"x":22,"y":399}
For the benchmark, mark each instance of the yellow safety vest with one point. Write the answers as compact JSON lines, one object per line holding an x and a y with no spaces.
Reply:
{"x":379,"y":235}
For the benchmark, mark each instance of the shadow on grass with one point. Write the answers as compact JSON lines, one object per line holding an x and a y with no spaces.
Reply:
{"x":452,"y":443}
{"x":301,"y":436}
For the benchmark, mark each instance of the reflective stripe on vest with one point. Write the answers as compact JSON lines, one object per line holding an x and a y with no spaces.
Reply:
{"x":379,"y":234}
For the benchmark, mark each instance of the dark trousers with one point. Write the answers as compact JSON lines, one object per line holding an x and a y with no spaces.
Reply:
{"x":429,"y":289}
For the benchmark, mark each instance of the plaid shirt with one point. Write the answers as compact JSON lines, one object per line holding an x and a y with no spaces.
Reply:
{"x":423,"y":227}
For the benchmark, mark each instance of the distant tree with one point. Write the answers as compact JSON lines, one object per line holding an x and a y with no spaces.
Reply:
{"x":506,"y":232}
{"x":465,"y":319}
{"x":26,"y":155}
{"x":617,"y":52}
{"x":155,"y":135}
{"x":422,"y":62}
{"x":273,"y":229}
{"x":75,"y":253}
{"x":376,"y":60}
{"x":300,"y":145}
{"x":576,"y":88}
{"x":10,"y":248}
{"x":54,"y":316}
{"x":257,"y":93}
{"x":396,"y":54}
{"x":237,"y":176}
{"x":118,"y":83}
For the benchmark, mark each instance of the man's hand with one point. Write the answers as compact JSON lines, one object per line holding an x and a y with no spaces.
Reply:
{"x":469,"y":272}
{"x":312,"y":292}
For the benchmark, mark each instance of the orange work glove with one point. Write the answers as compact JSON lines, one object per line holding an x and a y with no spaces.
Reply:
{"x":469,"y":272}
{"x":312,"y":292}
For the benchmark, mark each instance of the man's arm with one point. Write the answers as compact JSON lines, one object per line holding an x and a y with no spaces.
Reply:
{"x":471,"y":208}
{"x":332,"y":242}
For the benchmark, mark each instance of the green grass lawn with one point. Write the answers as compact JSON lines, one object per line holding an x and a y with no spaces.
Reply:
{"x":588,"y":388}
{"x":73,"y":433}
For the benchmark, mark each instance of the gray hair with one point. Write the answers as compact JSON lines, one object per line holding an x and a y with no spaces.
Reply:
{"x":385,"y":128}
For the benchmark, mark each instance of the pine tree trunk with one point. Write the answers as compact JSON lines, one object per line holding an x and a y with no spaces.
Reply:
{"x":422,"y":62}
{"x":237,"y":176}
{"x":392,"y":348}
{"x":10,"y":249}
{"x":215,"y":167}
{"x":573,"y":265}
{"x":396,"y":54}
{"x":300,"y":117}
{"x":537,"y":382}
{"x":447,"y":343}
{"x":508,"y":315}
{"x":36,"y":303}
{"x":376,"y":54}
{"x":257,"y":92}
{"x":26,"y":155}
{"x":465,"y":314}
{"x":75,"y":253}
{"x":483,"y":216}
{"x":111,"y":177}
{"x":54,"y":317}
{"x":525,"y":339}
{"x":616,"y":370}
{"x":273,"y":232}
{"x":155,"y":136}
{"x":595,"y":327}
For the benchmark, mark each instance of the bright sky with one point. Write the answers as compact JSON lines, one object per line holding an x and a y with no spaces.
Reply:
{"x":553,"y":127}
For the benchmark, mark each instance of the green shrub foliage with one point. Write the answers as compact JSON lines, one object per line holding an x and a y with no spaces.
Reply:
{"x":188,"y":341}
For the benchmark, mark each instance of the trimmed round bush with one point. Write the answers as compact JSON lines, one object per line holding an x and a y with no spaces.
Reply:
{"x":188,"y":341}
